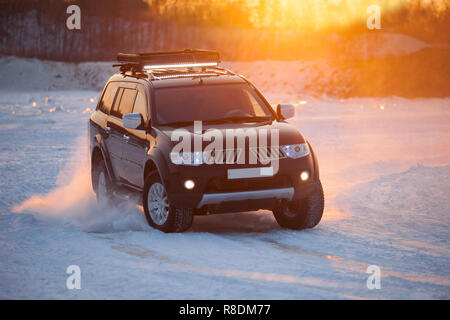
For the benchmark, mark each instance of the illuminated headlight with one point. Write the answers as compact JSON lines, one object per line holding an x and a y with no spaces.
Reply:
{"x":189,"y":184}
{"x":304,"y":176}
{"x":295,"y":151}
{"x":187,"y":158}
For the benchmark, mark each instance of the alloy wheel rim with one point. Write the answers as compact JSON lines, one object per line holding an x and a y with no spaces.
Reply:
{"x":158,"y":204}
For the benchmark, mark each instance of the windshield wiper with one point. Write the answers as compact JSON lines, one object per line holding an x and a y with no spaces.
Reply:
{"x":178,"y":123}
{"x":239,"y":119}
{"x":223,"y":120}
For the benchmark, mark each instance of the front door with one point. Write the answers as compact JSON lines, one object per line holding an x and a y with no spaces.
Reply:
{"x":118,"y":134}
{"x":136,"y":147}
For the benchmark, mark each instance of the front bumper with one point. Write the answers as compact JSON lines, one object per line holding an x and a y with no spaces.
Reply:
{"x":212,"y":186}
{"x":217,"y":198}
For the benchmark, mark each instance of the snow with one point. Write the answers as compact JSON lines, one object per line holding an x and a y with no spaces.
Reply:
{"x":384,"y":44}
{"x":34,"y":74}
{"x":38,"y":75}
{"x":385,"y":167}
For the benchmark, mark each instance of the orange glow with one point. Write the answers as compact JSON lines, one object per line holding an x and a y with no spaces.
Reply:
{"x":316,"y":15}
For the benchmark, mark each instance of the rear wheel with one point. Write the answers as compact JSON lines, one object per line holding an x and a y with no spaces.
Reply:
{"x":101,"y":183}
{"x":160,"y":214}
{"x":303,"y":213}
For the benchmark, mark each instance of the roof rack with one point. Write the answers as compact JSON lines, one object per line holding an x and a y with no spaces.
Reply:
{"x":136,"y":64}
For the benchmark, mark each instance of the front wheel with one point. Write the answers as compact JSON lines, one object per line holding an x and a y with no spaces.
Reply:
{"x":160,"y":214}
{"x":303,"y":213}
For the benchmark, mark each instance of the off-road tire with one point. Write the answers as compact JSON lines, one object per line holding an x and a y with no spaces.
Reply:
{"x":178,"y":220}
{"x":301,"y":214}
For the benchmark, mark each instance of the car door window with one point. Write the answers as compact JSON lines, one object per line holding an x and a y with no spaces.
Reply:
{"x":140,"y":105}
{"x":124,"y":102}
{"x":108,"y":97}
{"x":115,"y":107}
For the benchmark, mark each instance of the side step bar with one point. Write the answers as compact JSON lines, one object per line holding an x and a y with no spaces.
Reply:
{"x":215,"y":198}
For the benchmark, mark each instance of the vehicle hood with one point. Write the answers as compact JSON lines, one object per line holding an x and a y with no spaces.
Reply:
{"x":287,"y":133}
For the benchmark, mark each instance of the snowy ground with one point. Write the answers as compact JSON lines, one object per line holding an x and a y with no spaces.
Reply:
{"x":385,"y":166}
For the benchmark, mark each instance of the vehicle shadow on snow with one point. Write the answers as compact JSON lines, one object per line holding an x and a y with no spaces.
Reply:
{"x":255,"y":222}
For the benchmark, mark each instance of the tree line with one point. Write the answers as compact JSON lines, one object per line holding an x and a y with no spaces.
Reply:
{"x":239,"y":29}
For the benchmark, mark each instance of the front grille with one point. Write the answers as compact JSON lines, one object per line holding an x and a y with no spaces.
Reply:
{"x":262,"y":155}
{"x":222,"y":156}
{"x":267,"y":154}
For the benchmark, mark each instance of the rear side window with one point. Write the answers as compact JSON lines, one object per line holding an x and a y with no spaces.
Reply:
{"x":140,"y":105}
{"x":108,"y":97}
{"x":124,"y":102}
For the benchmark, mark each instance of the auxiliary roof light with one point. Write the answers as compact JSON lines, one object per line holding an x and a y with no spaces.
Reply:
{"x":186,"y":75}
{"x":181,"y":65}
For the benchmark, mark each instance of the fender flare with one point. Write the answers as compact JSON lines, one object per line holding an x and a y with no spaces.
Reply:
{"x":159,"y":161}
{"x":315,"y":162}
{"x":99,"y":143}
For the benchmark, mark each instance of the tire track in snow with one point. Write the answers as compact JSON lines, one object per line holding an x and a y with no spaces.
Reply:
{"x":358,"y":266}
{"x":311,"y":282}
{"x":298,"y":250}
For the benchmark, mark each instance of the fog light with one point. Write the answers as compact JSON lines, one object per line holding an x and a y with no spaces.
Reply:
{"x":304,"y":176}
{"x":189,"y":184}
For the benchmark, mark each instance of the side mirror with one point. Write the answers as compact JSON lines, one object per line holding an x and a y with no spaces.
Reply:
{"x":132,"y":120}
{"x":286,"y":111}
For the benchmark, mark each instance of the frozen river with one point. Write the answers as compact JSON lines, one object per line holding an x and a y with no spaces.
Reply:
{"x":385,"y":167}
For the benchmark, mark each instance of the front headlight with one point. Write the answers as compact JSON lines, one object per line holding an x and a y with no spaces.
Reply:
{"x":187,"y":158}
{"x":295,"y":151}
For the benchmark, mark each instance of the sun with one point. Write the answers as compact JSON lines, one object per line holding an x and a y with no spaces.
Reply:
{"x":313,"y":14}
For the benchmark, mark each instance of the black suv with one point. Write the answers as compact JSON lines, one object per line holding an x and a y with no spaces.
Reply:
{"x":193,"y":138}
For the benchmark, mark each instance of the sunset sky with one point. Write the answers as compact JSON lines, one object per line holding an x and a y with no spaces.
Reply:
{"x":293,"y":14}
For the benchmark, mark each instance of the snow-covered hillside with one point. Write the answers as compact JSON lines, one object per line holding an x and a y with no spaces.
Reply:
{"x":382,"y":68}
{"x":385,"y":166}
{"x":34,"y":74}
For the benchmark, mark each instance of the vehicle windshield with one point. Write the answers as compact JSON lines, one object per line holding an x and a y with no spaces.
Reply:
{"x":211,"y":104}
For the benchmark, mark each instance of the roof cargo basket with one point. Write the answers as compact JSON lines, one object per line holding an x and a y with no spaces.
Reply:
{"x":168,"y":60}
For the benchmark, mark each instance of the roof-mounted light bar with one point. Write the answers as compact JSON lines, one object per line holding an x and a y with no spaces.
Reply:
{"x":138,"y":62}
{"x":170,"y":58}
{"x":185,"y":75}
{"x":181,"y":65}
